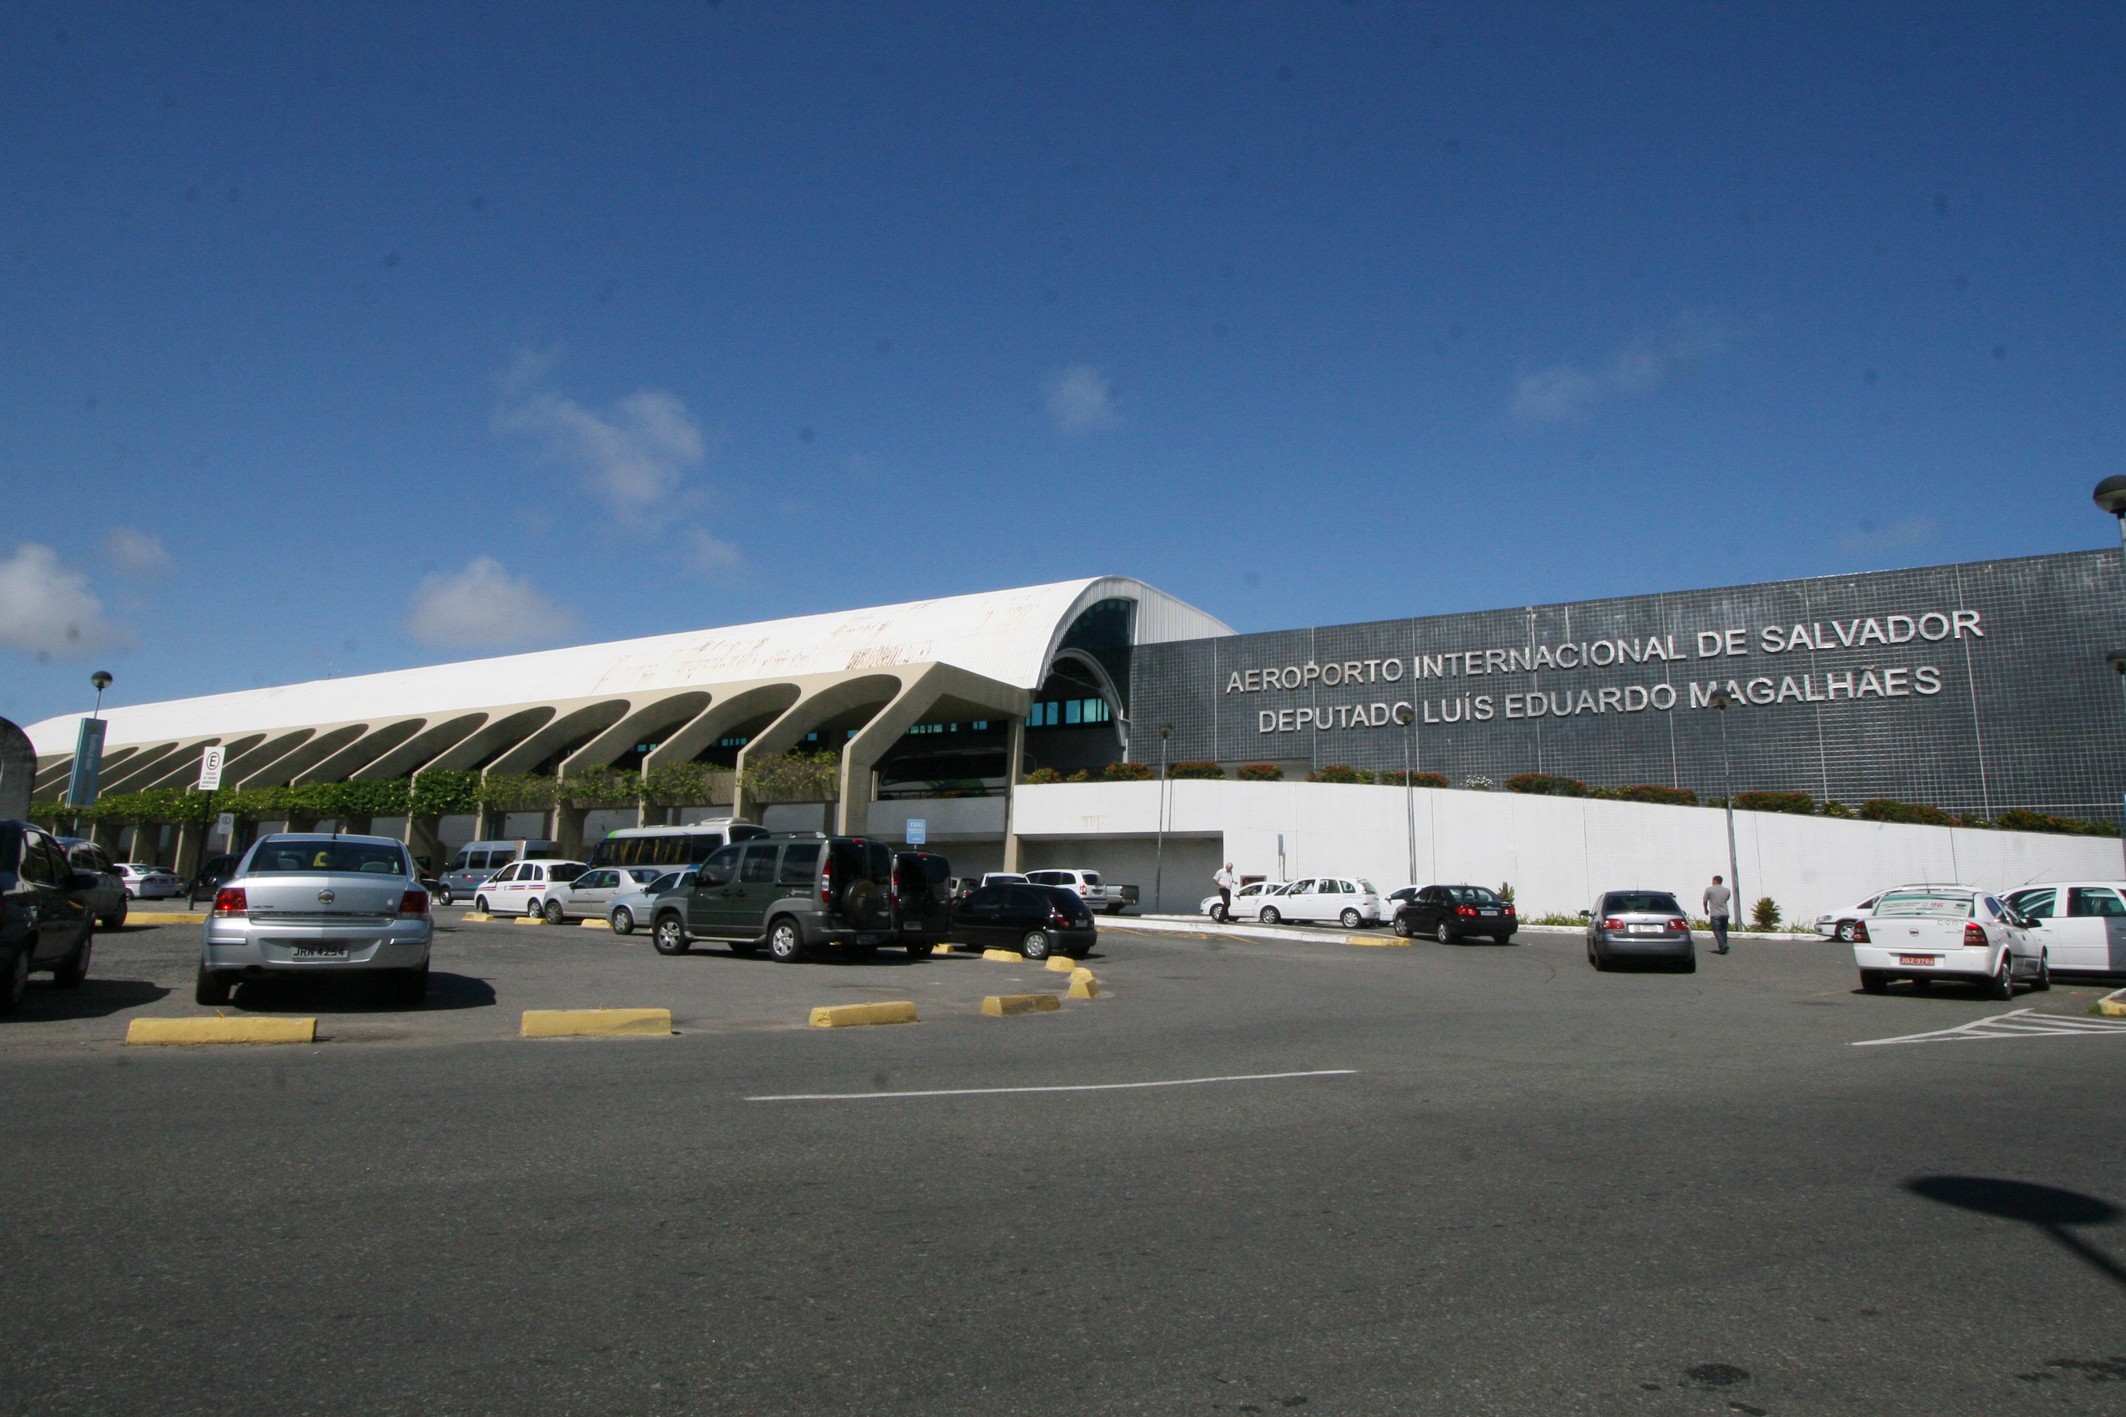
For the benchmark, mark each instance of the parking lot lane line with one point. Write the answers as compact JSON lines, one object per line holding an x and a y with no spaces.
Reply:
{"x":2017,"y":1023}
{"x":1069,"y":1087}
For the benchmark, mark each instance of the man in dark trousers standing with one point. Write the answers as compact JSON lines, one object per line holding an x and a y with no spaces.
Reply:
{"x":1717,"y":897}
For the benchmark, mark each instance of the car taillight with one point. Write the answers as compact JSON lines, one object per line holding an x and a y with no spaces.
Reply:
{"x":413,"y":903}
{"x":1679,"y":924}
{"x":1860,"y":932}
{"x":1056,"y":916}
{"x":1465,"y":910}
{"x":1974,"y":936}
{"x":826,"y":882}
{"x":1612,"y":924}
{"x":1507,"y":910}
{"x":229,"y":900}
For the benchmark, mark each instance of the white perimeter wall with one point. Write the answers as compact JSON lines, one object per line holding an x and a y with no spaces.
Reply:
{"x":1558,"y":852}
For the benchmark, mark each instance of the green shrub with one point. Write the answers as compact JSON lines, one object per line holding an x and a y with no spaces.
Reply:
{"x":1655,"y":792}
{"x":1261,"y":772}
{"x":1506,"y":891}
{"x":1042,"y":777}
{"x":679,"y":784}
{"x":1885,"y":809}
{"x":1543,"y":784}
{"x":601,"y":787}
{"x":1798,"y":804}
{"x":1415,"y":779}
{"x":1839,"y":810}
{"x":1337,"y":772}
{"x":1128,"y":772}
{"x":1764,"y":915}
{"x":794,"y":777}
{"x":2018,"y":819}
{"x":1081,"y":775}
{"x":1204,"y":771}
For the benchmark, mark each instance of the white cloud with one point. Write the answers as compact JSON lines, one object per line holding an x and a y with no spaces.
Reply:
{"x":709,"y":557}
{"x":482,"y":607}
{"x":1639,"y":368}
{"x":46,"y":608}
{"x":1080,"y":400}
{"x":633,"y":458}
{"x":137,"y":555}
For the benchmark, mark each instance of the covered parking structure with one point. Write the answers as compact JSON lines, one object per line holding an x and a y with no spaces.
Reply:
{"x":872,"y":687}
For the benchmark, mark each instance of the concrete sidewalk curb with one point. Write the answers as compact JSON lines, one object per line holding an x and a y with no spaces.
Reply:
{"x":853,"y":1015}
{"x":1012,"y":1005}
{"x":595,"y":1023}
{"x":1203,"y":925}
{"x":221,"y":1030}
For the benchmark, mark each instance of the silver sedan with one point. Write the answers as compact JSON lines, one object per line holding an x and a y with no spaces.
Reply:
{"x":310,"y":905}
{"x":626,"y":911}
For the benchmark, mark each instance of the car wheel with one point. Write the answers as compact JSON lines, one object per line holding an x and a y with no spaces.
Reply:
{"x":670,"y":936}
{"x":1845,"y":931}
{"x":1505,"y":939}
{"x":1350,"y":919}
{"x":211,"y":988}
{"x":117,"y":921}
{"x":623,"y":921}
{"x":1269,"y":915}
{"x":1035,"y":945}
{"x":1688,"y":964}
{"x":1594,"y":957}
{"x":2043,"y":981}
{"x":786,"y":943}
{"x":444,"y":897}
{"x":919,"y":950}
{"x":479,"y":906}
{"x":1441,"y":933}
{"x":1220,"y":914}
{"x":128,"y":892}
{"x":1874,"y":981}
{"x":553,"y":912}
{"x":1401,"y":926}
{"x":2002,"y":985}
{"x":75,"y":967}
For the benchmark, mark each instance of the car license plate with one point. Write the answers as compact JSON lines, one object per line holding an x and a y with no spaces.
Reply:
{"x":1644,"y":929}
{"x":867,"y":939}
{"x":1487,"y":912}
{"x":911,"y":924}
{"x":320,"y":951}
{"x":1915,"y":959}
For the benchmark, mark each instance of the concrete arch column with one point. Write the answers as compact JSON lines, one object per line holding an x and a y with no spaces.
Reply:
{"x":416,"y":753}
{"x":293,"y":765}
{"x":346,"y":761}
{"x":735,"y":708}
{"x":818,"y":705}
{"x":932,"y":687}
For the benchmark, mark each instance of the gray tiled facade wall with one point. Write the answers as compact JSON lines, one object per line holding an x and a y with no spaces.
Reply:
{"x":1973,"y":688}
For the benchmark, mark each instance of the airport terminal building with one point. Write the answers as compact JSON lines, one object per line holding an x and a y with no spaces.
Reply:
{"x":1974,"y":688}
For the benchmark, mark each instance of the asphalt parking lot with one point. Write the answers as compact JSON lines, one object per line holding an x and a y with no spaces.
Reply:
{"x":1455,"y":1179}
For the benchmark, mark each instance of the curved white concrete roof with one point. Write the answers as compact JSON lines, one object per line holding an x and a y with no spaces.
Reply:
{"x":1007,"y":635}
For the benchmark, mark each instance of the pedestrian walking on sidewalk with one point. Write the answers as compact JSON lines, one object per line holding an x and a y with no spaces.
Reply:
{"x":1225,"y":880}
{"x":1717,"y":897}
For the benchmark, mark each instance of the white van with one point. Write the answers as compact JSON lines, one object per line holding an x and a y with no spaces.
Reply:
{"x":478,"y":861}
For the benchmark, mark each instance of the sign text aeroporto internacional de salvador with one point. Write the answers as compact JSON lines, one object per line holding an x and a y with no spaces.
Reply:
{"x":1878,"y":681}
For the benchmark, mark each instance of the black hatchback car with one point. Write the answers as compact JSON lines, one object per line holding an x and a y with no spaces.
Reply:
{"x":1447,"y":913}
{"x":44,"y":913}
{"x":1037,"y":921}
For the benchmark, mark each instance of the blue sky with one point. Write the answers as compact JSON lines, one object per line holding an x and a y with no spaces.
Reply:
{"x":344,"y":338}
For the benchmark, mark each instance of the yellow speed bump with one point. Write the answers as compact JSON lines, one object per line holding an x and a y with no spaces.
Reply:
{"x":1004,"y":956}
{"x":221,"y":1030}
{"x":1062,"y":964}
{"x":597,"y":923}
{"x":529,"y":920}
{"x":2113,"y":1004}
{"x":596,"y":1023}
{"x":853,"y":1015}
{"x":1008,"y":1005}
{"x":164,"y":917}
{"x":480,"y":915}
{"x":1083,"y":985}
{"x":1387,"y":941}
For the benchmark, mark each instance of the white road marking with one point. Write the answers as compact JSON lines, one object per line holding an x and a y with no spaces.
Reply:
{"x":1077,"y":1087}
{"x":2020,"y":1023}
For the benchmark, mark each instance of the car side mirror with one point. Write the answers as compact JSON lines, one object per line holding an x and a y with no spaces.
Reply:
{"x":1587,"y":915}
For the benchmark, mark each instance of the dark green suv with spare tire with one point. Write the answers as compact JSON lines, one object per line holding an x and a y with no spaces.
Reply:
{"x":790,"y":894}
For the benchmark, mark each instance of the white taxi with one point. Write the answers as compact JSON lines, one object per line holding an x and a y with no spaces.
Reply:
{"x":522,"y":888}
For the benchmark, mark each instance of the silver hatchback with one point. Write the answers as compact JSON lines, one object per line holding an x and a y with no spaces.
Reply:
{"x":309,"y":905}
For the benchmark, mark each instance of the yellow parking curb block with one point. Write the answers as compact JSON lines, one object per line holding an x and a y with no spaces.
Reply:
{"x":1390,"y":942}
{"x":1009,"y":1005}
{"x":597,"y":924}
{"x":1081,"y":972}
{"x":221,"y":1030}
{"x":851,"y":1015}
{"x":476,"y":915}
{"x":529,"y":920}
{"x":2113,"y":1004}
{"x":595,"y":1023}
{"x":1062,"y":964}
{"x":164,"y":917}
{"x":1004,"y":956}
{"x":1086,"y":988}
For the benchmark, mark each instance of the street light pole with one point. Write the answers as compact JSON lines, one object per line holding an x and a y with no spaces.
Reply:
{"x":2110,"y":496}
{"x":1407,"y":716}
{"x":1166,"y":731}
{"x":2117,"y":660}
{"x":1722,"y":700}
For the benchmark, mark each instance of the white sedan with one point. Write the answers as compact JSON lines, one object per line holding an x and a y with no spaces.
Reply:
{"x":1955,"y":933}
{"x":2080,"y":925}
{"x":593,"y":893}
{"x":1349,"y":901}
{"x":1247,"y":901}
{"x":145,"y":882}
{"x":1838,"y":924}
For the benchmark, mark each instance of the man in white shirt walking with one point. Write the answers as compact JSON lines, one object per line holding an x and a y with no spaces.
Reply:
{"x":1224,"y":881}
{"x":1717,"y":897}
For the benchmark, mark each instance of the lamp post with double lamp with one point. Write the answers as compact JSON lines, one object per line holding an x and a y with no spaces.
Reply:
{"x":1166,"y":731}
{"x":1407,"y":717}
{"x":1722,"y":700}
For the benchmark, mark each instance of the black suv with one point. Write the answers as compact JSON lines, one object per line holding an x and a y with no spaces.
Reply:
{"x":922,"y":897}
{"x":1037,"y":921}
{"x":44,"y":912}
{"x":793,"y":893}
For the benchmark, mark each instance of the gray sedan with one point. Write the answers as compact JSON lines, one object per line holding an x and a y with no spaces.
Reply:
{"x":625,"y":911}
{"x":310,"y":905}
{"x":1641,"y":925}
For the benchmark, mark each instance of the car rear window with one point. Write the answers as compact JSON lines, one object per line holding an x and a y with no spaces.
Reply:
{"x":337,"y":857}
{"x":1926,"y":903}
{"x":1636,"y":903}
{"x":1484,"y":895}
{"x":799,"y":863}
